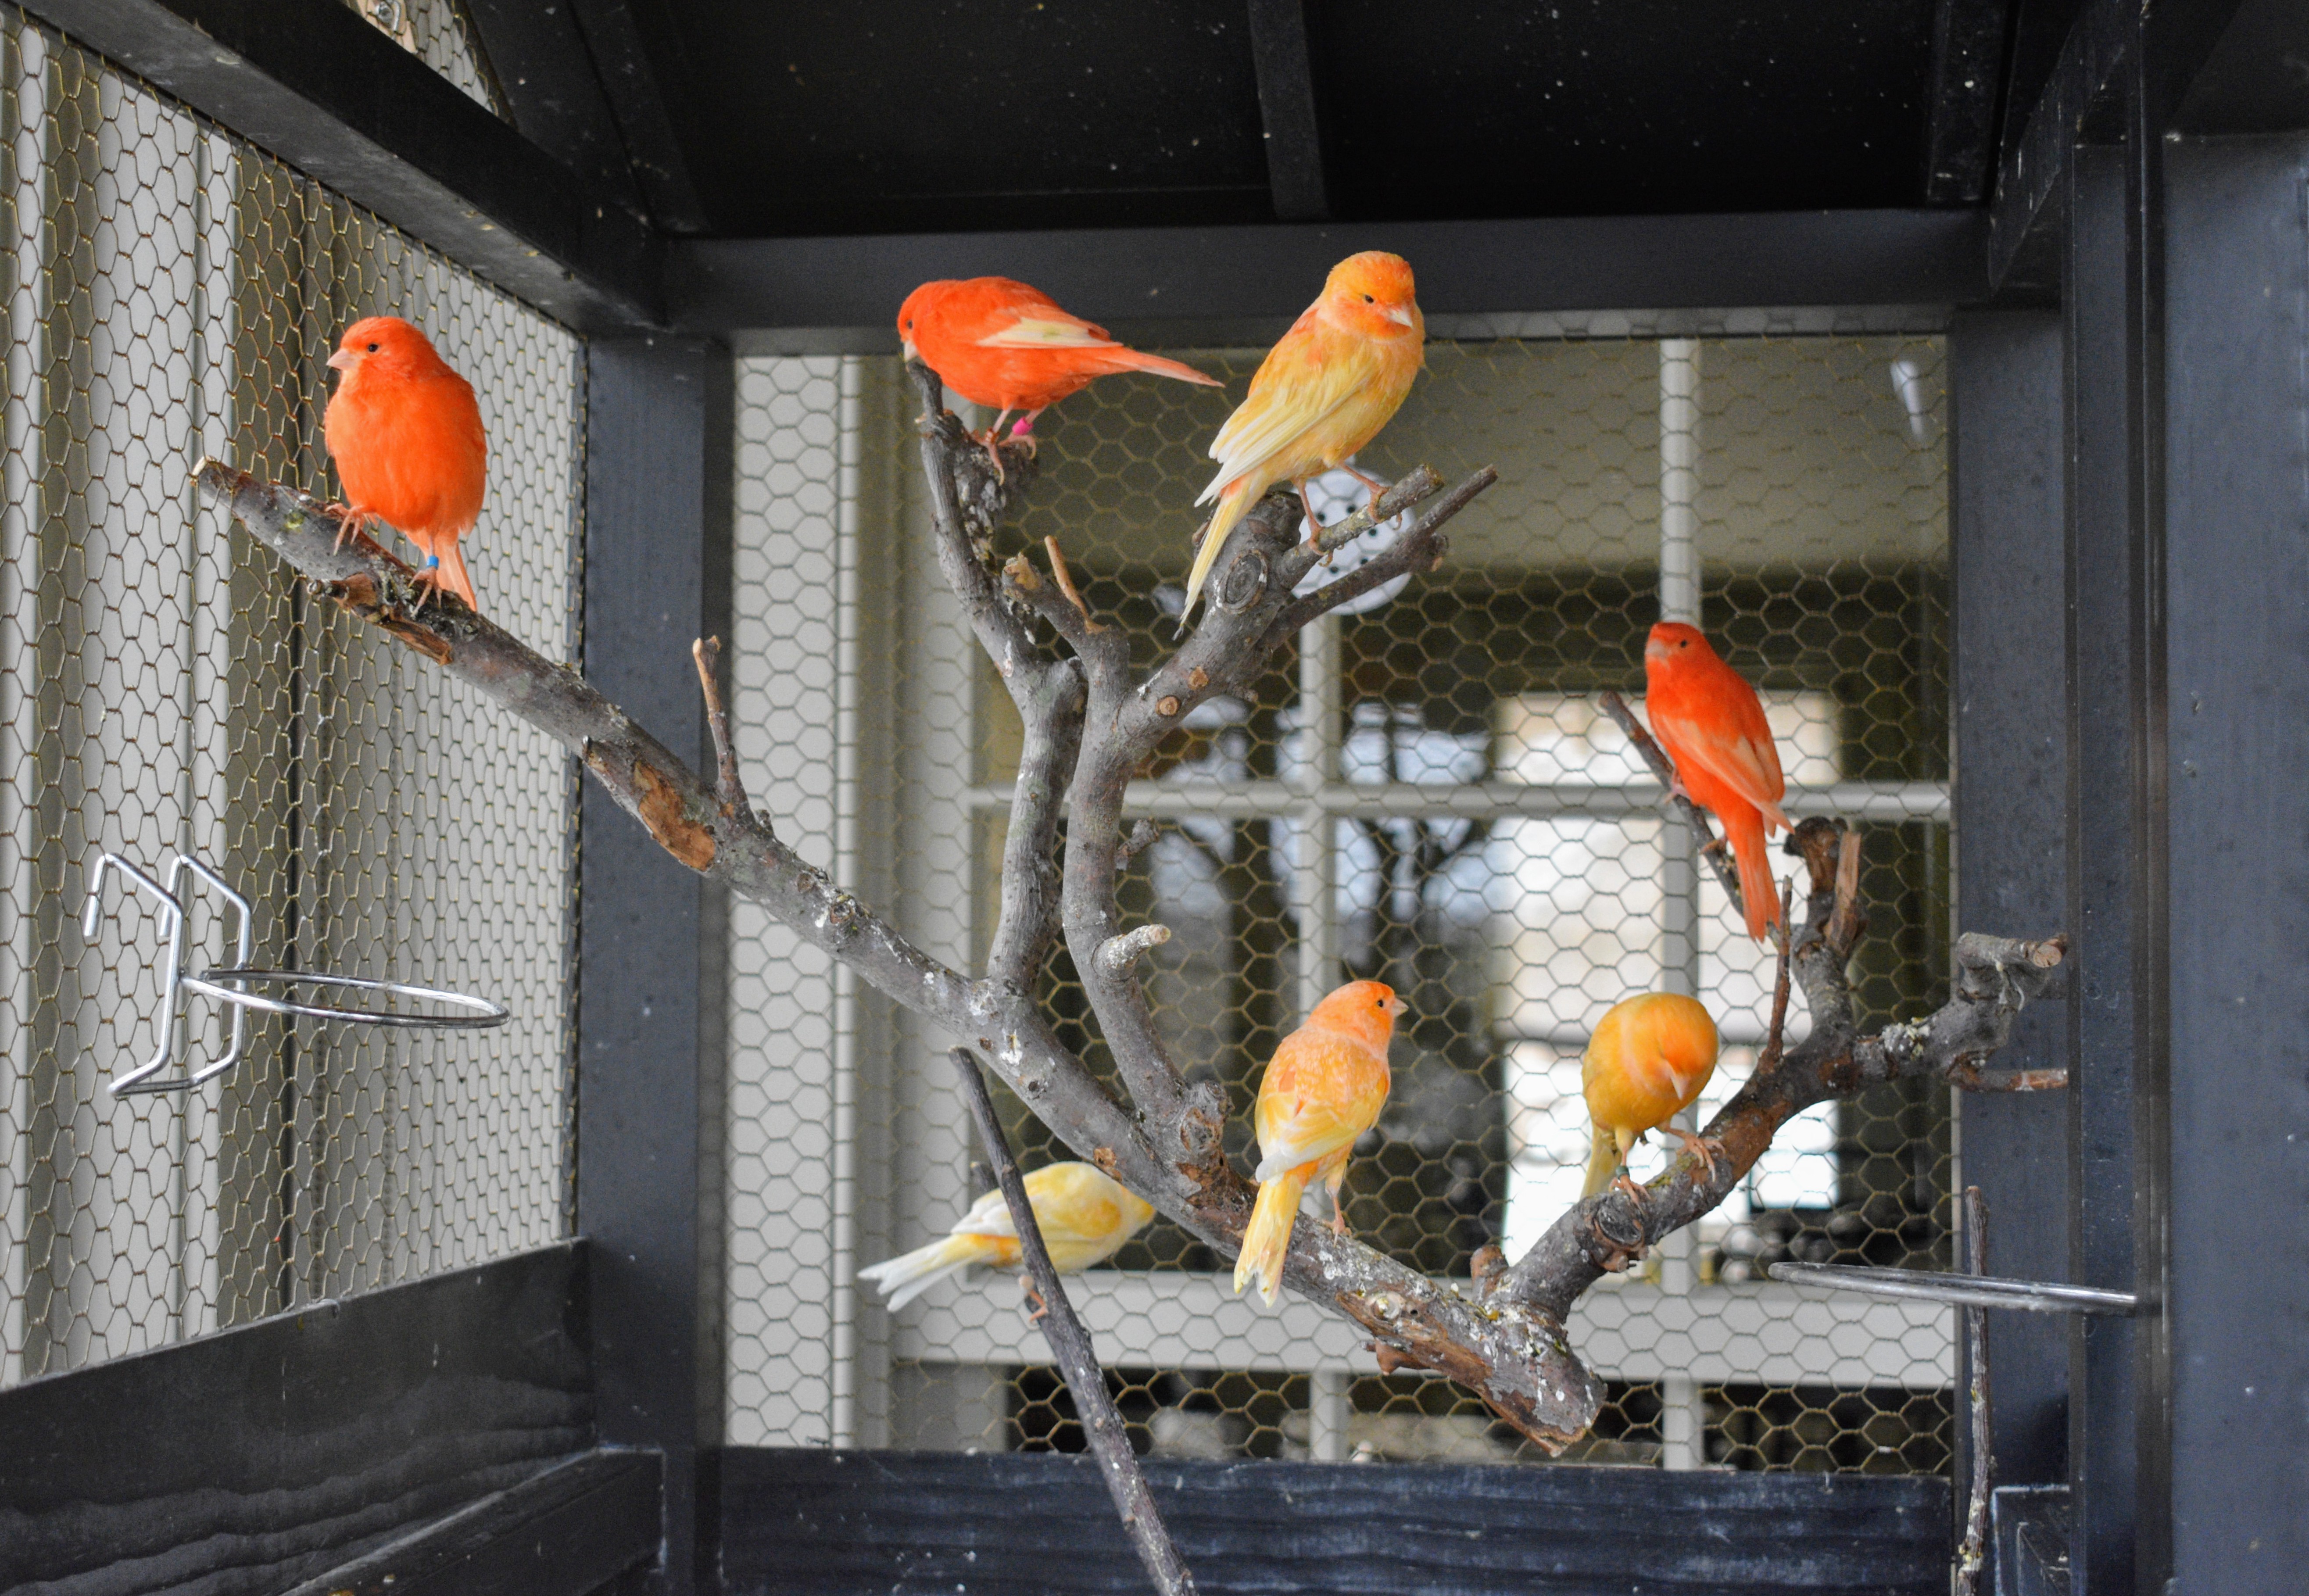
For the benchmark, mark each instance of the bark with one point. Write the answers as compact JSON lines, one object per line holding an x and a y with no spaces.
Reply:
{"x":1091,"y":726}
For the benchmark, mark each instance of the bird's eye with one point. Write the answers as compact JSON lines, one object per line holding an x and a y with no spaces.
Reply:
{"x":372,"y":349}
{"x":1683,"y":642}
{"x":910,"y":324}
{"x":1369,"y":300}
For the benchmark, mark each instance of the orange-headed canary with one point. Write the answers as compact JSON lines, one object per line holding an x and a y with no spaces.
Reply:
{"x":406,"y":434}
{"x":1084,"y":1215}
{"x":1645,"y":1064}
{"x":1323,"y":393}
{"x":1324,"y":1088}
{"x":1712,"y":724}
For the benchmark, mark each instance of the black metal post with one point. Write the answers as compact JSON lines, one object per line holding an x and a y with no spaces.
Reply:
{"x":2011,"y":778}
{"x":2106,"y":758}
{"x":2228,"y":1254}
{"x":658,"y":425}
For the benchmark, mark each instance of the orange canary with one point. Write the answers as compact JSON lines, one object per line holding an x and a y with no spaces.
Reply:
{"x":1324,"y":1087}
{"x":1645,"y":1064}
{"x":406,"y":434}
{"x":1084,"y":1216}
{"x":1712,"y":725}
{"x":1007,"y":346}
{"x":1323,"y":393}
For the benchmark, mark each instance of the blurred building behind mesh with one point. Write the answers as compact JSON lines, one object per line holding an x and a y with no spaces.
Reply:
{"x":1423,"y":792}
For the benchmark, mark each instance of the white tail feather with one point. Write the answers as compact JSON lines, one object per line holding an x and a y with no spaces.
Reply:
{"x":907,"y":1276}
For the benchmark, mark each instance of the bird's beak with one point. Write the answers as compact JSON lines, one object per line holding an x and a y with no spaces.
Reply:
{"x":907,"y":344}
{"x":1400,"y":315}
{"x":342,"y":360}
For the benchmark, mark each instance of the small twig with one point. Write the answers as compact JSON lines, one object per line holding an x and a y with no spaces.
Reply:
{"x":1777,"y":1038}
{"x":1117,"y":954}
{"x":1421,"y":548}
{"x":1067,"y":585}
{"x":1663,"y":770}
{"x":728,"y":787}
{"x":1077,"y":1359}
{"x":1417,"y":485}
{"x":1845,"y":925}
{"x":1142,"y":837}
{"x":1973,"y":1553}
{"x":1971,"y":1077}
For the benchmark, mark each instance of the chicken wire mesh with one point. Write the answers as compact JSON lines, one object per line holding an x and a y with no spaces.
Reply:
{"x":166,"y":685}
{"x":1424,"y":793}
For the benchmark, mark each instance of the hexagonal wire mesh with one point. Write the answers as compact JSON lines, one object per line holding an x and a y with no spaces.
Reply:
{"x":1424,"y":794}
{"x":165,"y":685}
{"x":441,"y":34}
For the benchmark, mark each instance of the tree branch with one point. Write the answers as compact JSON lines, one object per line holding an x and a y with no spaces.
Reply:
{"x":727,"y":784}
{"x":1077,"y":1359}
{"x":1711,"y":848}
{"x":1508,"y":1347}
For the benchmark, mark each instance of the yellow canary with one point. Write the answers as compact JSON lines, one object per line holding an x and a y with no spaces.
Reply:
{"x":1645,"y":1064}
{"x":1324,"y":392}
{"x":1084,"y":1216}
{"x":1324,"y":1088}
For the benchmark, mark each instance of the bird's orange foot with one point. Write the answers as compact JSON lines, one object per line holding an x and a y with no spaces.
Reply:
{"x":1699,"y":1147}
{"x":1042,"y":1309}
{"x":351,"y":519}
{"x":989,"y":442}
{"x":1338,"y":1221}
{"x":1378,"y":488}
{"x":427,"y":582}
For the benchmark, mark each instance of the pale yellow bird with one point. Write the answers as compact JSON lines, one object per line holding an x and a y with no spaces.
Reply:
{"x":1084,"y":1215}
{"x":1323,"y":393}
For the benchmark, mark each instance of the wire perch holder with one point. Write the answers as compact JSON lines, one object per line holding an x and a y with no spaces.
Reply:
{"x":234,"y":985}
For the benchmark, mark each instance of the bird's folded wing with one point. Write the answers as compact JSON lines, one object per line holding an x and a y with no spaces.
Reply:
{"x":1309,"y":1130}
{"x":1749,"y":766}
{"x":1293,"y":391}
{"x":1048,"y":329}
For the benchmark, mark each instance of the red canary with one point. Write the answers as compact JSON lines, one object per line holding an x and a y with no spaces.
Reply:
{"x":1323,"y":393}
{"x":407,"y":437}
{"x":1007,"y":346}
{"x":1712,"y":725}
{"x":1324,"y":1088}
{"x":1645,"y":1064}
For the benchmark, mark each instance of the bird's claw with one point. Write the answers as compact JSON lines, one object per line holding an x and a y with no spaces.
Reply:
{"x":1042,"y":1309}
{"x":1699,"y":1147}
{"x":351,"y":519}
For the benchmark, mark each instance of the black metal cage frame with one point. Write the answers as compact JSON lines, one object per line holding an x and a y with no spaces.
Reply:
{"x":2127,"y":313}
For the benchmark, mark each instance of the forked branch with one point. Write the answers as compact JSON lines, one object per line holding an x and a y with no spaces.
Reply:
{"x":1090,"y":728}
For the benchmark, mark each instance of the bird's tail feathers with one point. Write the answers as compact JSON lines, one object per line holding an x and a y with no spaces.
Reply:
{"x":907,"y":1276}
{"x":1758,"y":895}
{"x":1156,"y":365}
{"x":1234,"y":502}
{"x":1603,"y":1161}
{"x":1267,"y":1237}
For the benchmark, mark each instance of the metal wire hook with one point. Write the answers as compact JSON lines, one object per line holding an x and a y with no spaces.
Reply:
{"x":172,"y":910}
{"x":184,"y":863}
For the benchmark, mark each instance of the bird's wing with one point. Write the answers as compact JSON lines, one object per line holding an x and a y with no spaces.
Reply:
{"x":1047,"y":327}
{"x":1737,"y":749}
{"x":1319,"y":1095}
{"x":1304,"y":378}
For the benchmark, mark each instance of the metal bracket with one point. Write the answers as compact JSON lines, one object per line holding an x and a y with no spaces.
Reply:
{"x":1966,"y":1291}
{"x":230,"y":986}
